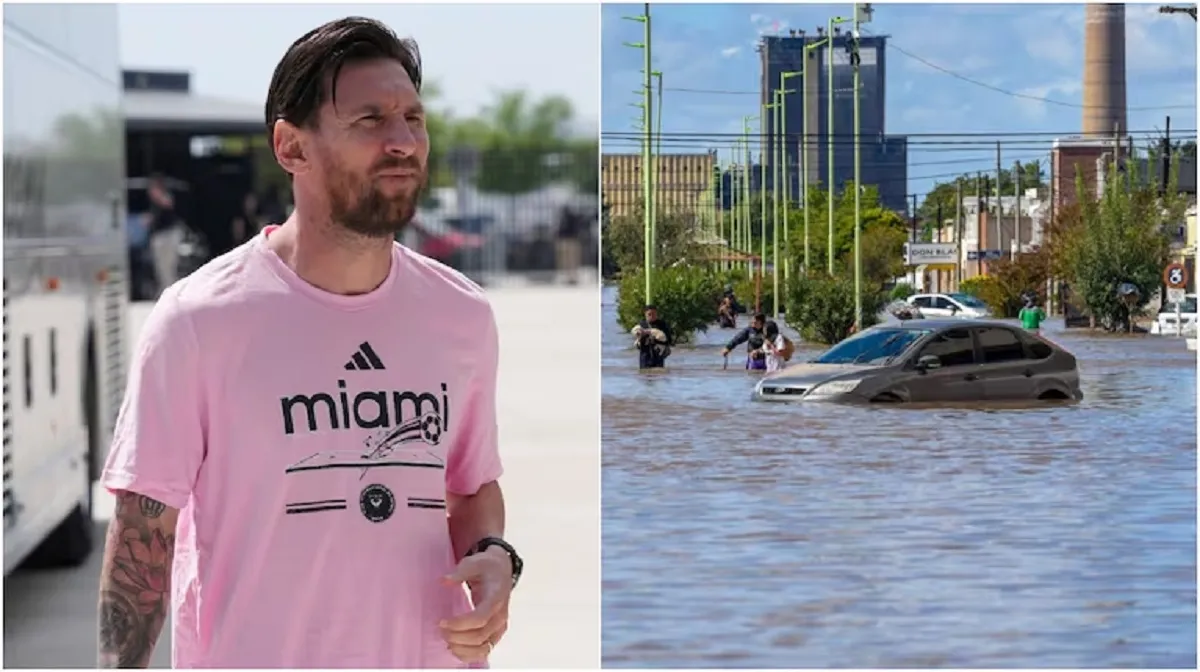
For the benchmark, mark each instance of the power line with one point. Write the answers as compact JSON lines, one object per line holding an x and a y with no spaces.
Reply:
{"x":1017,"y":94}
{"x":956,"y":75}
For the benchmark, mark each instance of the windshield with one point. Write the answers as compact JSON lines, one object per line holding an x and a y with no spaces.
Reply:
{"x":968,"y":300}
{"x":873,"y":346}
{"x":1188,"y":306}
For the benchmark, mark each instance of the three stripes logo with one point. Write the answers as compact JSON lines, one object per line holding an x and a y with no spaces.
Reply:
{"x":365,"y":359}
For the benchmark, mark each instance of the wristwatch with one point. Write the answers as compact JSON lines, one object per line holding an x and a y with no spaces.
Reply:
{"x":518,"y":565}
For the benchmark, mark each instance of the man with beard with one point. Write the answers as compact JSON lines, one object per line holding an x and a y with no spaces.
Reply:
{"x":245,"y":462}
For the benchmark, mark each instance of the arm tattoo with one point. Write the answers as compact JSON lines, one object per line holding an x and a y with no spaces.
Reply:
{"x":150,"y":508}
{"x":135,"y":582}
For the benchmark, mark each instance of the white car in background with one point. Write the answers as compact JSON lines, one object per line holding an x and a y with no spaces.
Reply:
{"x":950,"y":305}
{"x":1165,"y":323}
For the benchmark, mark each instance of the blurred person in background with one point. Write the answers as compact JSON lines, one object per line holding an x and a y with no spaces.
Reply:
{"x":1032,"y":316}
{"x":247,"y":506}
{"x":569,"y":247}
{"x":248,"y":222}
{"x":167,"y":233}
{"x":142,"y":281}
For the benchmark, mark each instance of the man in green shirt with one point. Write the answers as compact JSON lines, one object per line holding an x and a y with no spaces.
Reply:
{"x":1032,"y":315}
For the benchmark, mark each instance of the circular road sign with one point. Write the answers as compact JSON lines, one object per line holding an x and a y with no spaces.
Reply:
{"x":1175,"y":276}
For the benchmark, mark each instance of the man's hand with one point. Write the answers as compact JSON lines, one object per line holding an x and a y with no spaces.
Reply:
{"x":724,"y":352}
{"x":489,"y":576}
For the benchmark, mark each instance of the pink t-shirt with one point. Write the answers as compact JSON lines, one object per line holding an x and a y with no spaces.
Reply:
{"x":309,"y":440}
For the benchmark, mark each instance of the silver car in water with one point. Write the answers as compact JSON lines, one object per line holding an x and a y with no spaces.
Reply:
{"x":946,"y":360}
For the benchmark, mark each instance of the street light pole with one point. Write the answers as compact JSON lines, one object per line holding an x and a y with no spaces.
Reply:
{"x":804,"y":133}
{"x":747,"y":220}
{"x":762,"y":186}
{"x":829,"y":68}
{"x":862,"y":14}
{"x":647,"y":149}
{"x":656,"y":174}
{"x":775,"y":146}
{"x":787,"y":178}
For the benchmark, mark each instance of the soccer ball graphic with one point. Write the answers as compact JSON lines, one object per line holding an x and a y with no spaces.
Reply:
{"x":431,"y":428}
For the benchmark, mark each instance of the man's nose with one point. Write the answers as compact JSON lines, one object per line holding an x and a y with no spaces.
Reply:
{"x":401,"y":140}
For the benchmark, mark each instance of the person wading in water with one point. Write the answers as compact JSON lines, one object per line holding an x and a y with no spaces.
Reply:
{"x":752,"y":336}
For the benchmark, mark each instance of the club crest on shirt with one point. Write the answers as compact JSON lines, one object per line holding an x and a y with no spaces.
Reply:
{"x":377,"y":503}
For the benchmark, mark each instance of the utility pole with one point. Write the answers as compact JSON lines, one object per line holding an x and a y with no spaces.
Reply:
{"x":980,"y":188}
{"x":1016,"y":212}
{"x":1166,"y":157}
{"x":912,"y":222}
{"x":999,"y":201}
{"x":647,"y":149}
{"x":958,"y":230}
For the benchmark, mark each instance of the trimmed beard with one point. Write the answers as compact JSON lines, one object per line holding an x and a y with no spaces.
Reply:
{"x":366,"y":211}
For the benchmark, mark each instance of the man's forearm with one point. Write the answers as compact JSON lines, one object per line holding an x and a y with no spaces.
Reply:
{"x":135,"y":580}
{"x":476,"y":516}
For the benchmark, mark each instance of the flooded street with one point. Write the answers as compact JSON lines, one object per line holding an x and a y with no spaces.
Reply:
{"x":739,"y":534}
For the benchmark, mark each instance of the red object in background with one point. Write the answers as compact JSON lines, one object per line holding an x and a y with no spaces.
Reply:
{"x":442,"y":245}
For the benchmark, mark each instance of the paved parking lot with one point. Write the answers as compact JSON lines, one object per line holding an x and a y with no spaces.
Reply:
{"x":549,"y":407}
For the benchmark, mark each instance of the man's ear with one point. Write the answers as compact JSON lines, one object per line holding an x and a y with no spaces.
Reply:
{"x":291,"y":152}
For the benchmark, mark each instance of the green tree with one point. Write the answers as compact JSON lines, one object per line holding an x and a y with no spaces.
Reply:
{"x":1123,"y":239}
{"x":873,"y":214}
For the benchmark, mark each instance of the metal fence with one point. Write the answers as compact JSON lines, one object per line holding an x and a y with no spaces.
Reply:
{"x":513,"y":215}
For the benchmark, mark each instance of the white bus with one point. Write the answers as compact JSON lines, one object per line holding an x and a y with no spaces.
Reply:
{"x":65,"y":260}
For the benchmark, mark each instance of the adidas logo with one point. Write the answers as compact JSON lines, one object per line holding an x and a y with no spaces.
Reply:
{"x":365,"y":359}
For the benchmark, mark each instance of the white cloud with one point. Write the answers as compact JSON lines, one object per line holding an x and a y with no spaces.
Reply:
{"x":730,"y":52}
{"x":1066,"y":90}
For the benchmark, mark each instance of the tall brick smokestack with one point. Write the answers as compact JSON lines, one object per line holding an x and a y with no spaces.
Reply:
{"x":1104,"y":69}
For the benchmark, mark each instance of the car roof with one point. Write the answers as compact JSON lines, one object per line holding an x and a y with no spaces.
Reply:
{"x":946,"y":323}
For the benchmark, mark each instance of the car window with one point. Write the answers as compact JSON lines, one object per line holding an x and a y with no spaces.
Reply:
{"x":921,"y":301}
{"x":1039,"y":350}
{"x":952,"y":347}
{"x":943,"y":303}
{"x":999,"y":345}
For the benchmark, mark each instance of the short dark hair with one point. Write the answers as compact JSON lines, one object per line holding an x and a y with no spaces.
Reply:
{"x":760,"y":317}
{"x":298,"y":87}
{"x":649,"y":306}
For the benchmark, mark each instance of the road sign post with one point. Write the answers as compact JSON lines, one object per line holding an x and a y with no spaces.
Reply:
{"x":1175,"y":277}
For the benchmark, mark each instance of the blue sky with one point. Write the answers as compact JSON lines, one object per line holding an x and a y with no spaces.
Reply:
{"x":1032,"y":49}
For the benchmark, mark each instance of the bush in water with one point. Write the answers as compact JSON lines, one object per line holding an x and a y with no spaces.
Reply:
{"x":686,"y":296}
{"x":824,"y":307}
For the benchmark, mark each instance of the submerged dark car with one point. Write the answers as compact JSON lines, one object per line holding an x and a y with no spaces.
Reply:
{"x":931,"y":361}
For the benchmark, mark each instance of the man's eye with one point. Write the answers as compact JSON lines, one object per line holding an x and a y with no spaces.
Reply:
{"x":370,"y":119}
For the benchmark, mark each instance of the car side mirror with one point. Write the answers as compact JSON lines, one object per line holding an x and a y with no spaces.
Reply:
{"x":928,"y":363}
{"x":953,"y":308}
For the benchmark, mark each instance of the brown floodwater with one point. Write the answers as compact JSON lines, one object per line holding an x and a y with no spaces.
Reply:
{"x":742,"y":534}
